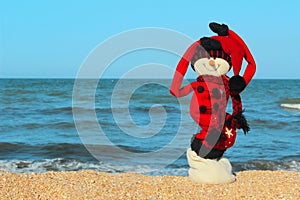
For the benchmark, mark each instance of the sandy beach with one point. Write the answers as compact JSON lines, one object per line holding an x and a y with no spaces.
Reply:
{"x":98,"y":185}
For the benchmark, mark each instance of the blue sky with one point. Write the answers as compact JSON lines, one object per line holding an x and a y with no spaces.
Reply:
{"x":49,"y":39}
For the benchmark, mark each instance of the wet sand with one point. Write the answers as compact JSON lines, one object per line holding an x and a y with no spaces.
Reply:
{"x":98,"y":185}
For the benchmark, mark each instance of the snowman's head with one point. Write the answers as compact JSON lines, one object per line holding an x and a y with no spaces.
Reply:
{"x":210,"y":59}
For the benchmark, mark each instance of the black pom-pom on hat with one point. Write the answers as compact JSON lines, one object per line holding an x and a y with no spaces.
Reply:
{"x":221,"y":30}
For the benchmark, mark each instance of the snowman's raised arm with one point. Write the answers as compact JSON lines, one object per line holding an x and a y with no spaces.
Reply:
{"x":234,"y":45}
{"x":251,"y":66}
{"x":180,"y":72}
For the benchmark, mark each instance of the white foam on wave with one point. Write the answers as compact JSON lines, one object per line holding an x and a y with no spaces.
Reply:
{"x":57,"y":164}
{"x":60,"y":164}
{"x":290,"y":165}
{"x":291,"y":106}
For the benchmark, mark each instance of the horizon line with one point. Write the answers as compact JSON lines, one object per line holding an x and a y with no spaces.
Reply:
{"x":109,"y":78}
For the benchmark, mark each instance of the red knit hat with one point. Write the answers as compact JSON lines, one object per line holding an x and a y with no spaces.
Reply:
{"x":209,"y":48}
{"x":234,"y":46}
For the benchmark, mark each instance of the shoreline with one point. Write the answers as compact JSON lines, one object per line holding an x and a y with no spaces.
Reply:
{"x":89,"y":184}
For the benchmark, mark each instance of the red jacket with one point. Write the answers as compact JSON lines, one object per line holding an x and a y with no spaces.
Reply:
{"x":208,"y":109}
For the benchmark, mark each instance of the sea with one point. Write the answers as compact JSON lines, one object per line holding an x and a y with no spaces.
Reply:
{"x":114,"y":126}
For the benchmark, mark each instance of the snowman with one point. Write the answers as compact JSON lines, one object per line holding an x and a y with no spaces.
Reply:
{"x":212,"y":58}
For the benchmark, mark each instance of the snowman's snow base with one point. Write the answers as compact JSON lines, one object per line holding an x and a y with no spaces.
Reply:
{"x":209,"y":171}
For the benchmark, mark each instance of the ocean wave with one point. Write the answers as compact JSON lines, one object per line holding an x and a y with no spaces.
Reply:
{"x":82,"y":110}
{"x":292,"y":165}
{"x":15,"y":91}
{"x":58,"y":125}
{"x":62,"y":164}
{"x":61,"y":94}
{"x":291,"y":106}
{"x":57,"y":164}
{"x":67,"y":150}
{"x":270,"y":124}
{"x":157,"y":109}
{"x":289,"y":101}
{"x":69,"y":109}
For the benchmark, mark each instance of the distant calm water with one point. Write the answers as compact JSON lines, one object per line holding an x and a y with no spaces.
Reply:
{"x":37,"y":131}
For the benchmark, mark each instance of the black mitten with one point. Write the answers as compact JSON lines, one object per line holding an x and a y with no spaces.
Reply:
{"x":237,"y":84}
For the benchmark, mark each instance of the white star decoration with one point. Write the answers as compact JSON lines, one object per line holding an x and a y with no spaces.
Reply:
{"x":229,"y":132}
